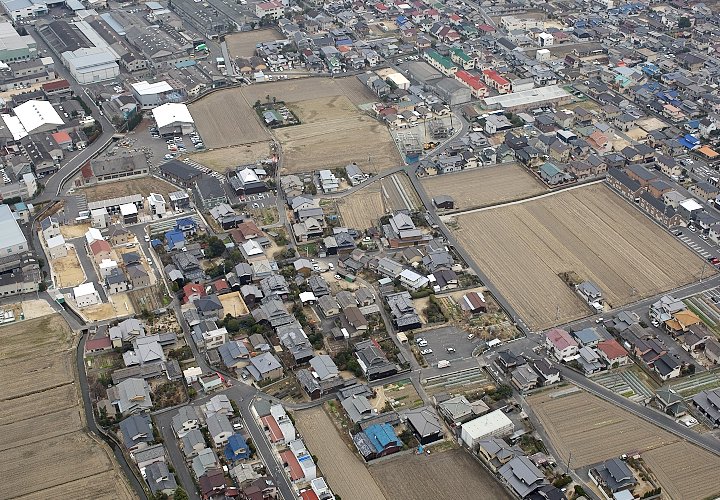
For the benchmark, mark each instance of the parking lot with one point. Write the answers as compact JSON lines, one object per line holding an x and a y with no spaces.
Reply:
{"x":447,"y":343}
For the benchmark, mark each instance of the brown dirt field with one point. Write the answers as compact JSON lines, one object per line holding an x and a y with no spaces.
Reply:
{"x":233,"y":304}
{"x":36,"y":308}
{"x":243,"y":44}
{"x":143,"y":186}
{"x":322,"y":109}
{"x":68,"y":271}
{"x":484,"y":186}
{"x":74,"y":231}
{"x":25,"y":432}
{"x":45,"y":454}
{"x":224,"y":159}
{"x":48,"y":463}
{"x":356,"y":91}
{"x":446,"y":475}
{"x":345,"y":472}
{"x":362,"y":209}
{"x":597,"y":430}
{"x":590,"y":231}
{"x":40,"y":403}
{"x":106,"y":485}
{"x":225,"y":118}
{"x":399,"y":193}
{"x":335,"y":142}
{"x":114,"y":309}
{"x":47,"y":337}
{"x":681,"y":477}
{"x":294,"y":90}
{"x":23,"y":377}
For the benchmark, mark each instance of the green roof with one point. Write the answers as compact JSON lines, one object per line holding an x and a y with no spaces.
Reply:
{"x":444,"y":61}
{"x":550,"y":169}
{"x":461,"y":54}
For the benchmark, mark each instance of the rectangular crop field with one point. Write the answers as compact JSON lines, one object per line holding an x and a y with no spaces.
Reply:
{"x":363,"y":208}
{"x":344,"y":470}
{"x":685,"y":471}
{"x":127,"y":187}
{"x":399,"y":193}
{"x":294,"y":90}
{"x":597,"y":430}
{"x":44,"y":451}
{"x":589,"y":231}
{"x":447,"y":475}
{"x":222,"y":160}
{"x":335,"y":134}
{"x":225,"y":118}
{"x":243,"y":44}
{"x":480,"y":187}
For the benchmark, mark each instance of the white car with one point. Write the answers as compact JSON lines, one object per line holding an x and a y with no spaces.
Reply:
{"x":425,"y":352}
{"x":338,"y":277}
{"x":147,"y":238}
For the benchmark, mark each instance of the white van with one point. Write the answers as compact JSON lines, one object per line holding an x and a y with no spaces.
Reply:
{"x":443,"y":363}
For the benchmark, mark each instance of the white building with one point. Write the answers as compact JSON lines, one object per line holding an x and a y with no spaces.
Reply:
{"x":38,"y":116}
{"x":106,"y":267}
{"x":398,"y":80}
{"x":173,"y":117}
{"x":157,"y":204}
{"x":151,"y":95}
{"x":12,"y":239}
{"x":89,"y":65}
{"x":328,"y":181}
{"x":24,"y":9}
{"x":99,"y":218}
{"x":493,"y":424}
{"x":56,"y":247}
{"x":86,"y":295}
{"x":274,"y":10}
{"x":93,"y":234}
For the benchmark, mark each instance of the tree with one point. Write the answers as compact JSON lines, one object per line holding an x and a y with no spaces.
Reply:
{"x":684,"y":22}
{"x":180,"y":494}
{"x":215,"y":247}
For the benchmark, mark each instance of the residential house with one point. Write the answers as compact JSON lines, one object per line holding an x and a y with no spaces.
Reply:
{"x":219,"y":428}
{"x":185,"y":420}
{"x":561,"y":344}
{"x":522,"y":476}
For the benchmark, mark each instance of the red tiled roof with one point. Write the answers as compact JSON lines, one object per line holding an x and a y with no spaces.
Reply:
{"x":560,"y":338}
{"x":308,"y":495}
{"x":61,"y":137}
{"x":87,"y":171}
{"x":57,"y":85}
{"x":276,"y":434}
{"x":98,"y":246}
{"x":99,"y":343}
{"x":296,"y":471}
{"x":471,"y":80}
{"x":612,"y":349}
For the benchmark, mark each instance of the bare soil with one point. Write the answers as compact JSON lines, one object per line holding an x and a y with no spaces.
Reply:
{"x":243,"y":44}
{"x":484,"y":186}
{"x":225,"y":159}
{"x":68,"y":272}
{"x":127,"y":187}
{"x":590,"y":231}
{"x":446,"y":475}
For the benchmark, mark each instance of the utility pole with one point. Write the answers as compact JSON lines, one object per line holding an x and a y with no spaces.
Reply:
{"x":557,"y":312}
{"x":567,"y":469}
{"x":702,"y":273}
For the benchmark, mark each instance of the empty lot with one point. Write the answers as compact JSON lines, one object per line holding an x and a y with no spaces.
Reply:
{"x":67,"y":270}
{"x":45,"y":452}
{"x":225,"y":118}
{"x":127,"y":187}
{"x":363,"y":208}
{"x":448,"y":475}
{"x":599,"y":430}
{"x":590,"y":231}
{"x":345,"y":472}
{"x":243,"y":44}
{"x":222,"y":160}
{"x":484,"y":186}
{"x":333,"y":133}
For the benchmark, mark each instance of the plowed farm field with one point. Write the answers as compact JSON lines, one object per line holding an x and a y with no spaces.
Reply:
{"x":225,"y":118}
{"x":523,"y":249}
{"x":484,"y":186}
{"x":363,"y":208}
{"x":44,"y":450}
{"x":344,"y":470}
{"x":599,"y":430}
{"x":447,"y":475}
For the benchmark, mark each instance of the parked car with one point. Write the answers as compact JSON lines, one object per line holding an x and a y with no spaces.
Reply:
{"x":450,"y":349}
{"x":425,"y":352}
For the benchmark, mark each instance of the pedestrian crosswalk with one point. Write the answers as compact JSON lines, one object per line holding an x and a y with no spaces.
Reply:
{"x":695,"y":246}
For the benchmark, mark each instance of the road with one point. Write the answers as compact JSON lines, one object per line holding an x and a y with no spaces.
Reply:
{"x":54,"y":183}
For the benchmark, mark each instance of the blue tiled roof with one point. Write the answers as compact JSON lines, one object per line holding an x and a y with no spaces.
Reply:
{"x":381,"y":436}
{"x":236,"y":448}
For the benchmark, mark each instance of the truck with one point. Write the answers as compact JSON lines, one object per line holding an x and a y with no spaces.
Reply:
{"x":443,"y":363}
